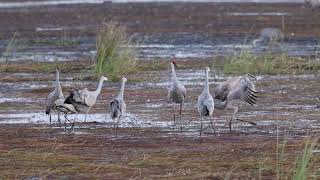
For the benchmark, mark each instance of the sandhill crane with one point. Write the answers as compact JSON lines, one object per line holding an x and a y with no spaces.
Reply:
{"x":269,"y":36}
{"x":61,"y":106}
{"x":53,"y":96}
{"x":176,"y":92}
{"x":238,"y":88}
{"x":83,"y":100}
{"x":117,"y":105}
{"x":313,"y":4}
{"x":205,"y":101}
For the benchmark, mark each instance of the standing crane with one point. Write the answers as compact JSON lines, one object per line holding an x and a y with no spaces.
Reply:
{"x":205,"y":101}
{"x":117,"y":105}
{"x":314,"y":4}
{"x":53,"y":96}
{"x":269,"y":36}
{"x":176,"y":92}
{"x":83,"y":100}
{"x":238,"y":88}
{"x":67,"y":109}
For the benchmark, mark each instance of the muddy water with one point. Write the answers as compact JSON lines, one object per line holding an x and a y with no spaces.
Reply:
{"x":189,"y":30}
{"x":285,"y":102}
{"x":158,"y":45}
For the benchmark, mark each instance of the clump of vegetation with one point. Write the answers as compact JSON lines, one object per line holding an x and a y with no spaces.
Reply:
{"x":301,"y":171}
{"x":115,"y":55}
{"x":7,"y":52}
{"x":268,"y":63}
{"x":298,"y":166}
{"x":65,"y":40}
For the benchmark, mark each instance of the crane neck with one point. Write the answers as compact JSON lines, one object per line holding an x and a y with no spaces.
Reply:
{"x":98,"y":91}
{"x":206,"y":83}
{"x":174,"y":76}
{"x":57,"y":83}
{"x":122,"y":89}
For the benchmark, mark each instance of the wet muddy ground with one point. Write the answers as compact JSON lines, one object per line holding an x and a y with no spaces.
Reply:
{"x":148,"y":143}
{"x":189,"y":30}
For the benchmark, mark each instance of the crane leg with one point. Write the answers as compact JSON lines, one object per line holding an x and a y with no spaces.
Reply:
{"x":180,"y":117}
{"x":174,"y":113}
{"x":235,"y":111}
{"x":59,"y":119}
{"x":50,"y":119}
{"x":65,"y":121}
{"x":201,"y":126}
{"x":211,"y":122}
{"x":85,"y":117}
{"x":72,"y":124}
{"x":116,"y":126}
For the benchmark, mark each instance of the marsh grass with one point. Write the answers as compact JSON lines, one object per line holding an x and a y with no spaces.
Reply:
{"x":269,"y":63}
{"x":115,"y":55}
{"x":4,"y":61}
{"x":303,"y":162}
{"x":288,"y":165}
{"x":65,"y":40}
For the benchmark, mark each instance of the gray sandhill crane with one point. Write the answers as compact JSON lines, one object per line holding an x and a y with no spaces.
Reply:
{"x":53,"y":96}
{"x":238,"y":88}
{"x":313,"y":4}
{"x":269,"y":36}
{"x":83,"y":100}
{"x":117,"y":105}
{"x":205,"y":101}
{"x":67,"y":109}
{"x":176,"y":92}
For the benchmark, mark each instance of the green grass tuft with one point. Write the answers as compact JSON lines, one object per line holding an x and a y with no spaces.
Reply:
{"x":268,"y":63}
{"x":115,"y":55}
{"x":303,"y":162}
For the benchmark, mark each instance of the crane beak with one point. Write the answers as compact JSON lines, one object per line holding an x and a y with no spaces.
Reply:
{"x":174,"y":63}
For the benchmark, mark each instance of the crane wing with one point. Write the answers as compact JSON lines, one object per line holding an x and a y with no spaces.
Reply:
{"x":50,"y":99}
{"x":83,"y":97}
{"x":205,"y":104}
{"x":184,"y":91}
{"x":222,"y":92}
{"x":209,"y":103}
{"x":243,"y":90}
{"x":63,"y":107}
{"x":115,"y":109}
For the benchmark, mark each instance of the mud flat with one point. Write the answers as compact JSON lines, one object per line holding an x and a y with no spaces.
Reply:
{"x":191,"y":30}
{"x":149,"y":144}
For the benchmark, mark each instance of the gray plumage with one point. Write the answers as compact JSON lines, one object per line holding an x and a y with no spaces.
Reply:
{"x":83,"y":100}
{"x":61,"y":106}
{"x":312,"y":4}
{"x":238,"y":88}
{"x":118,"y":106}
{"x":269,"y":36}
{"x":53,"y":96}
{"x":176,"y":92}
{"x":205,"y":102}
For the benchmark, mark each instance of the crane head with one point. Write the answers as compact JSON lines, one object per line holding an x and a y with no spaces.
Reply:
{"x":173,"y":61}
{"x":57,"y":69}
{"x":104,"y":78}
{"x":207,"y":69}
{"x":124,"y":79}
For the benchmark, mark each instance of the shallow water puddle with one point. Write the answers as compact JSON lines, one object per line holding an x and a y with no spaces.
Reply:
{"x":130,"y":120}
